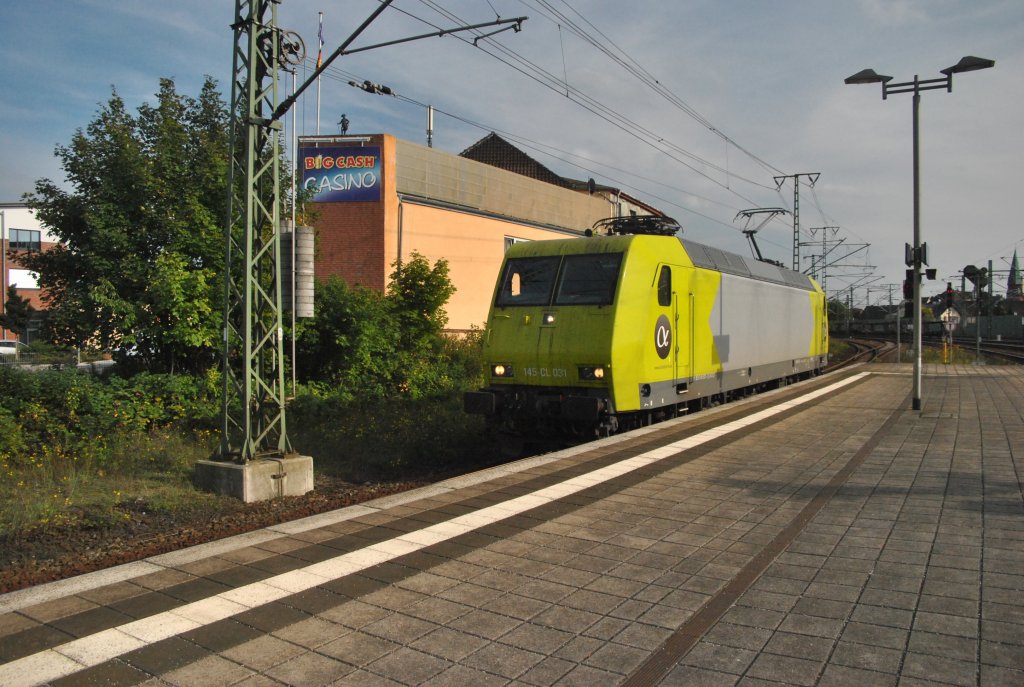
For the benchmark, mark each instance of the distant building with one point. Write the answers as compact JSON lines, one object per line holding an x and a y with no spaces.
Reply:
{"x":20,"y":233}
{"x":1013,"y":283}
{"x":380,"y":198}
{"x":1014,"y":288}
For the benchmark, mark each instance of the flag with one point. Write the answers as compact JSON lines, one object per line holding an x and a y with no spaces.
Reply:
{"x":320,"y":37}
{"x":1013,"y":285}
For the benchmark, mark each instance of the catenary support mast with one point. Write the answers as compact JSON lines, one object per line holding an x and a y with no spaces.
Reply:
{"x":812,"y":178}
{"x":253,"y":401}
{"x":253,"y":391}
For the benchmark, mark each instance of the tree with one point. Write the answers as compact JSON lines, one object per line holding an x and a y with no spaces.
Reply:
{"x":837,"y":311}
{"x":351,"y":345}
{"x":17,"y":312}
{"x":418,"y":293}
{"x":367,"y":345}
{"x":141,"y":251}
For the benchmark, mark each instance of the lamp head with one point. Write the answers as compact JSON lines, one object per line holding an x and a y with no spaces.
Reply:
{"x":969,"y":64}
{"x":867,"y":76}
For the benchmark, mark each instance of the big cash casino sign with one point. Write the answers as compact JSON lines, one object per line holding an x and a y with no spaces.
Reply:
{"x":342,"y":174}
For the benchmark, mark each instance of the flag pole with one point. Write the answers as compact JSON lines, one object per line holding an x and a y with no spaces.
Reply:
{"x":319,"y":61}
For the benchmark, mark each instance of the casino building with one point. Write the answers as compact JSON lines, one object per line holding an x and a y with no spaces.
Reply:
{"x":379,"y":198}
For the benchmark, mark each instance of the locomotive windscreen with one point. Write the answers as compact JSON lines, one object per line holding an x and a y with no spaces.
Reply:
{"x":587,"y":279}
{"x":528,"y":281}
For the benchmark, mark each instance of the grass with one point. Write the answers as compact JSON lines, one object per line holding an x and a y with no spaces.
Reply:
{"x":839,"y":350}
{"x":154,"y":469}
{"x":395,"y":440}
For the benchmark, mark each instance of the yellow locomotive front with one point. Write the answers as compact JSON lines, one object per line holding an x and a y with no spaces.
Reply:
{"x":589,"y":336}
{"x":549,"y":336}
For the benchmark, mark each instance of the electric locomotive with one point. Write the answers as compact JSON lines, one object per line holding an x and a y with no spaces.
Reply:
{"x":634,"y":324}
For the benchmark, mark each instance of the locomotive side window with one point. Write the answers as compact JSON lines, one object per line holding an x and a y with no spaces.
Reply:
{"x":665,"y":286}
{"x":527,"y":281}
{"x":588,"y":279}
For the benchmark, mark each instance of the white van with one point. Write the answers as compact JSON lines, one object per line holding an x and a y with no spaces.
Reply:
{"x":11,"y":349}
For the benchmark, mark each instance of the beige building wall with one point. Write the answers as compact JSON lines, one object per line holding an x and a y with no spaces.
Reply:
{"x":464,"y":211}
{"x":431,"y":174}
{"x":445,"y":206}
{"x":473,"y":245}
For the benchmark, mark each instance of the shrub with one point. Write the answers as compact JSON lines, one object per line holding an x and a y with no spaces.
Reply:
{"x":388,"y":439}
{"x":71,"y":420}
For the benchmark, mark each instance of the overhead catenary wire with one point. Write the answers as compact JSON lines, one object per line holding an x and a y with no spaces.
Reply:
{"x":607,"y":46}
{"x":624,"y":123}
{"x":620,"y":121}
{"x":351,"y":78}
{"x":542,"y":76}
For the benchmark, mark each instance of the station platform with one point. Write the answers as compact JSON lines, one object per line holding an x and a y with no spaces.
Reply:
{"x":820,"y":534}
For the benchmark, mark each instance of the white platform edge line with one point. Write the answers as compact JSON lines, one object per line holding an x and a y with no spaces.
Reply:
{"x":168,"y":624}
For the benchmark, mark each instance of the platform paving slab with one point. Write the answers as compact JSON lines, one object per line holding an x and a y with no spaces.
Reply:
{"x":844,"y":540}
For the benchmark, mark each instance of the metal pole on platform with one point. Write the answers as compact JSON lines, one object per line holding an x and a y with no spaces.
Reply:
{"x":916,"y":404}
{"x":918,"y":257}
{"x":977,"y":324}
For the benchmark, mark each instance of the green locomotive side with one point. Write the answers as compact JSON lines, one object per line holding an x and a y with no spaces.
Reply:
{"x":587,"y":334}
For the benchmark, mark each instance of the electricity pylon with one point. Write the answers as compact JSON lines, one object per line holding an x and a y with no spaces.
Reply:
{"x":253,"y":390}
{"x":812,"y":179}
{"x":253,"y":401}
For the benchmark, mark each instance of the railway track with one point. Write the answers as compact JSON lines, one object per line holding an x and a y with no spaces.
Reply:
{"x":867,"y":350}
{"x":1007,"y":350}
{"x":1011,"y":352}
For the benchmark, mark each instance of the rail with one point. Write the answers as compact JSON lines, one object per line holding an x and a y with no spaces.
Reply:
{"x":867,"y":350}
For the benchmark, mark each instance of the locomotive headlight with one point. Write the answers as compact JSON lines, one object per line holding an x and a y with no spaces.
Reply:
{"x":501,"y":370}
{"x":591,"y":373}
{"x":549,"y":318}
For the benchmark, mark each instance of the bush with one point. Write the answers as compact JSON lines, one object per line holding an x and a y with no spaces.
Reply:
{"x":73,"y":421}
{"x":72,"y":445}
{"x":370,"y":346}
{"x":388,"y":439}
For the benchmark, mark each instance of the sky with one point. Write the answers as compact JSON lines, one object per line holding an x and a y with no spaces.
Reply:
{"x":693,"y":106}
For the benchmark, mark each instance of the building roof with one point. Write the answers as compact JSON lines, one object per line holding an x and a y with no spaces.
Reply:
{"x":495,"y":151}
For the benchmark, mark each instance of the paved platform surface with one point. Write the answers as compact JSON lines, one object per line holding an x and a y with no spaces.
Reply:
{"x":824,"y":534}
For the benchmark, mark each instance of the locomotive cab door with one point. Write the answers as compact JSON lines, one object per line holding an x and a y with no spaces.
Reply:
{"x":683,"y":310}
{"x":667,"y":333}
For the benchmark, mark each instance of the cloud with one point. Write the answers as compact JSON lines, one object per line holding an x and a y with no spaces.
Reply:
{"x":895,"y":12}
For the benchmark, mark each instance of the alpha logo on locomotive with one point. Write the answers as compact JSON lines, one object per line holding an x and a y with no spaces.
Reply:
{"x":663,"y":337}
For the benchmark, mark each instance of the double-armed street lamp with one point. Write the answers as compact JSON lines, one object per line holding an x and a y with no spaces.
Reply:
{"x":917,"y":256}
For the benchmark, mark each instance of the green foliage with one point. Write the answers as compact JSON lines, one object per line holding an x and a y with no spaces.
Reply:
{"x":350,"y":343}
{"x":141,"y":246}
{"x":837,"y":311}
{"x":417,"y":294}
{"x":68,"y":421}
{"x":17,"y":312}
{"x":70,"y":442}
{"x":390,"y":439}
{"x":364,"y":345}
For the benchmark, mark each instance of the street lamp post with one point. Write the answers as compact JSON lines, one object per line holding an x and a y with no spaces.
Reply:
{"x":967,"y":64}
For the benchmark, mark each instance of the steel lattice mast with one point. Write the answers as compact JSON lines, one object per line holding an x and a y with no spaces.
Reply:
{"x":253,"y":392}
{"x":253,"y":403}
{"x":812,"y":178}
